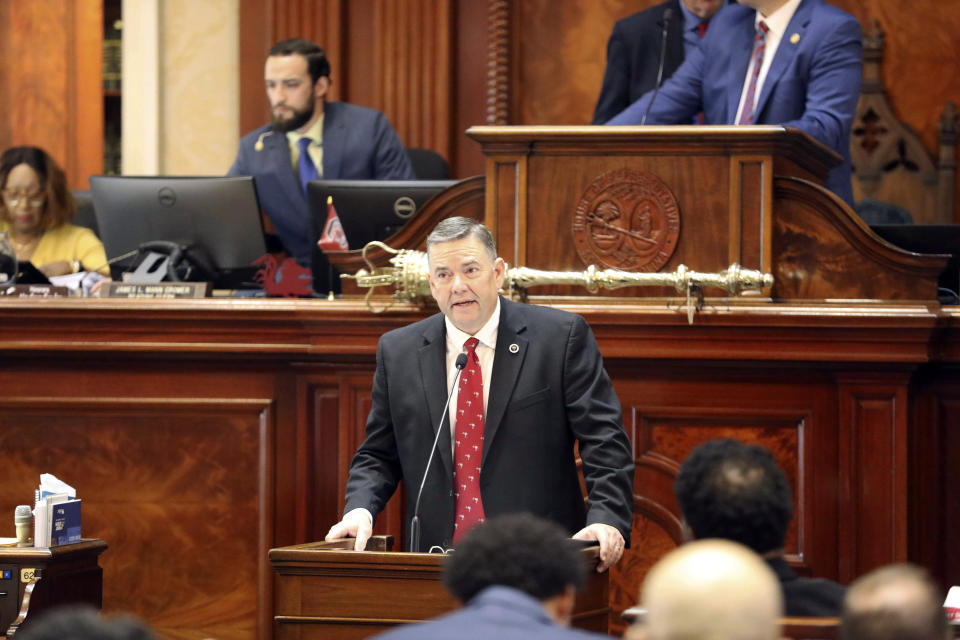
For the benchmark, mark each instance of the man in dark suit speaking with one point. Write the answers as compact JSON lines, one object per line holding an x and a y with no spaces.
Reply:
{"x":533,"y":384}
{"x":311,"y":138}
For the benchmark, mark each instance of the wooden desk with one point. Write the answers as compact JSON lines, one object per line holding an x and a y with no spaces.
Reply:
{"x":41,"y":578}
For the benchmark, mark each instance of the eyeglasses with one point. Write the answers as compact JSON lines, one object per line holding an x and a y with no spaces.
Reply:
{"x":33,"y":200}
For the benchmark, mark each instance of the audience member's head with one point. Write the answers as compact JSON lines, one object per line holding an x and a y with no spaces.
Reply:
{"x":730,"y":490}
{"x":519,"y":551}
{"x":713,"y":589}
{"x":35,"y":197}
{"x":83,"y":623}
{"x":897,"y":602}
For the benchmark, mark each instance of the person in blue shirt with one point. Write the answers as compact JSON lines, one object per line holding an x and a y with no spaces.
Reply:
{"x":517,"y":577}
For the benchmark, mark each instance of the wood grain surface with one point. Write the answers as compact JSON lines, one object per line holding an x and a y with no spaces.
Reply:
{"x":201,"y":433}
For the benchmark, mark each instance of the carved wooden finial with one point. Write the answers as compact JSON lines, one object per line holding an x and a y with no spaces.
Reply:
{"x":873,"y":42}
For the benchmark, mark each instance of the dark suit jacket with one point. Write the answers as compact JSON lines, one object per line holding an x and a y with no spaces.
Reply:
{"x":813,"y":84}
{"x":633,"y":57}
{"x":817,"y":597}
{"x":552,"y":392}
{"x":358,"y":143}
{"x":496,"y":612}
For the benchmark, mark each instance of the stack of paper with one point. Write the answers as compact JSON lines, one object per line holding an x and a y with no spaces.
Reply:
{"x":56,"y":513}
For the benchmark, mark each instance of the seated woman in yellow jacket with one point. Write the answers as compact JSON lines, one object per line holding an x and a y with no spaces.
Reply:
{"x":35,"y":210}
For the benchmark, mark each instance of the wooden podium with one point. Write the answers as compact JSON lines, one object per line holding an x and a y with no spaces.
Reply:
{"x":326,"y":592}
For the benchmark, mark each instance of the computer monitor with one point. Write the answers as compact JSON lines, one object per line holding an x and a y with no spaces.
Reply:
{"x":220,"y":215}
{"x":368,"y":210}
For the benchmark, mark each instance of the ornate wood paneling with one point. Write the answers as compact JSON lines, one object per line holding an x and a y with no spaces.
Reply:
{"x":169,"y":482}
{"x":219,"y":428}
{"x":873,"y":411}
{"x":670,"y":409}
{"x":51,"y":92}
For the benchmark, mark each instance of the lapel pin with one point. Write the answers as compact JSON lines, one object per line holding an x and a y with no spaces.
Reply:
{"x":795,"y":38}
{"x":514,"y":348}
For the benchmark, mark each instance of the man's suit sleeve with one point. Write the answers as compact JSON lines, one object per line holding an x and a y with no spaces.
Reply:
{"x":239,"y":166}
{"x":375,"y":470}
{"x":833,"y":86}
{"x":391,"y":161}
{"x":615,"y":92}
{"x":678,"y":100}
{"x":594,"y":414}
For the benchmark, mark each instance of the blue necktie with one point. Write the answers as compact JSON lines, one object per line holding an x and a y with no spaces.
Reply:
{"x":308,"y":171}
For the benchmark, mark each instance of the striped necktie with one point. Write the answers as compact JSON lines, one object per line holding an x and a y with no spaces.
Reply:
{"x":749,"y":104}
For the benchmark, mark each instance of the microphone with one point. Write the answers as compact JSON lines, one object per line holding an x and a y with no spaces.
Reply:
{"x":665,"y":22}
{"x":415,"y":520}
{"x":22,"y":519}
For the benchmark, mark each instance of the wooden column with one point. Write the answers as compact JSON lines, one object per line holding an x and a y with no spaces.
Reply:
{"x":51,"y":91}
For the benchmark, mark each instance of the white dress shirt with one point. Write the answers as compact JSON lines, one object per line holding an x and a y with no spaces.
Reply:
{"x":485,"y":352}
{"x":777,"y":23}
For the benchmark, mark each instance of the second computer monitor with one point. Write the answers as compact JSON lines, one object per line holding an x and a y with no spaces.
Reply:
{"x":371,"y":209}
{"x":368,"y":210}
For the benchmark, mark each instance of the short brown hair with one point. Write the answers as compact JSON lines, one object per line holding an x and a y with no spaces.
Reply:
{"x":59,"y":206}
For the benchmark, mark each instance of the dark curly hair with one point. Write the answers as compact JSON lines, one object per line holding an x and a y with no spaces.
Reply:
{"x":59,"y":207}
{"x":730,"y":490}
{"x":517,"y":550}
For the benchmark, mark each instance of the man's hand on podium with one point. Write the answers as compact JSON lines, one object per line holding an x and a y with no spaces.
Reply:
{"x":611,"y":543}
{"x":358,"y":524}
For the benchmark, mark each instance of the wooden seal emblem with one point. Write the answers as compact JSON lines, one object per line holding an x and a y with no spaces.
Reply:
{"x":627,"y":220}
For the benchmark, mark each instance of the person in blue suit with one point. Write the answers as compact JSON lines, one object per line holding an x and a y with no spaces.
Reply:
{"x":517,"y":577}
{"x":633,"y":51}
{"x":344,"y":141}
{"x":809,"y":78}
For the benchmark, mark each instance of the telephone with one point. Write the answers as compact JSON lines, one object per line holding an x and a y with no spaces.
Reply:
{"x":183,"y":262}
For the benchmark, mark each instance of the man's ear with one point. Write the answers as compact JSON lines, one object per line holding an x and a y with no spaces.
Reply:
{"x":560,"y":606}
{"x":321,"y":86}
{"x":499,"y":271}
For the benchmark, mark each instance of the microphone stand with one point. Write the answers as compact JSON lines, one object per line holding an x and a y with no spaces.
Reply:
{"x":667,"y":17}
{"x":415,"y":521}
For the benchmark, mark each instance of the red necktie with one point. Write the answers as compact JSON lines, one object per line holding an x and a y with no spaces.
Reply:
{"x":749,"y":104}
{"x":468,"y":445}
